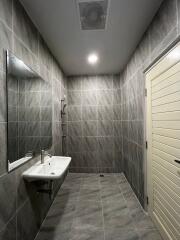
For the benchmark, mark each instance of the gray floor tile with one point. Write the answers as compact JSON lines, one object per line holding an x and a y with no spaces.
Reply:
{"x":90,"y":193}
{"x":90,"y":207}
{"x":87,"y":233}
{"x":116,"y":215}
{"x":149,"y":234}
{"x":121,"y":234}
{"x":88,"y":215}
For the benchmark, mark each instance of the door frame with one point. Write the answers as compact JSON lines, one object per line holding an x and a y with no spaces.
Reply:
{"x":155,"y":61}
{"x":148,"y":137}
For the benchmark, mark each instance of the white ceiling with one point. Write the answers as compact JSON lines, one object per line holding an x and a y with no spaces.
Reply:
{"x":59,"y":23}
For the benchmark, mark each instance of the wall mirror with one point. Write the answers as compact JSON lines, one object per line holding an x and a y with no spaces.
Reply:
{"x":29,"y":112}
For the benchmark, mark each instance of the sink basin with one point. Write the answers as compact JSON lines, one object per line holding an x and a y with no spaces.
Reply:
{"x":52,"y":168}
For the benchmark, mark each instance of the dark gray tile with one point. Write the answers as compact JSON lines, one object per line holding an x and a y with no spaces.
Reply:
{"x":105,"y":143}
{"x":3,"y":149}
{"x":75,"y":144}
{"x":76,"y":159}
{"x":105,"y":82}
{"x":105,"y":159}
{"x":26,"y":229}
{"x":46,"y":114}
{"x":118,"y":144}
{"x":90,"y":113}
{"x":133,"y":131}
{"x":22,"y":52}
{"x":2,"y":97}
{"x":88,"y":215}
{"x":7,"y":198}
{"x":86,"y":233}
{"x":90,"y":128}
{"x":116,"y":215}
{"x":90,"y":193}
{"x":74,"y":98}
{"x":117,"y":128}
{"x":117,"y":96}
{"x":89,"y":83}
{"x":149,"y":234}
{"x":75,"y":129}
{"x":74,"y":83}
{"x":140,"y":132}
{"x":46,"y":129}
{"x":121,"y":233}
{"x":74,"y":113}
{"x":105,"y":97}
{"x":90,"y":144}
{"x":24,"y":28}
{"x":118,"y":112}
{"x":116,"y":82}
{"x":6,"y":11}
{"x":9,"y":231}
{"x":45,"y":99}
{"x":105,"y":113}
{"x":90,"y":159}
{"x":45,"y":56}
{"x":164,"y":21}
{"x":5,"y":39}
{"x":105,"y":128}
{"x":89,"y":98}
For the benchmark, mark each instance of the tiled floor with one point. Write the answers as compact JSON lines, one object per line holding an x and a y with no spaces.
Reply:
{"x":88,"y":207}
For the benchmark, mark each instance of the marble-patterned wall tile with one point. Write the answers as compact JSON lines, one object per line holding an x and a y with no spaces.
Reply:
{"x":105,"y":82}
{"x":90,"y":113}
{"x":2,"y":97}
{"x":24,"y":28}
{"x":7,"y":198}
{"x":5,"y":43}
{"x":90,"y":128}
{"x":75,"y":129}
{"x":6,"y":12}
{"x":74,"y":84}
{"x":74,"y":113}
{"x":105,"y":159}
{"x":74,"y":98}
{"x":105,"y":128}
{"x":9,"y":231}
{"x":89,"y":83}
{"x":164,"y":21}
{"x":90,"y":144}
{"x":105,"y":113}
{"x":22,"y":52}
{"x":105,"y":97}
{"x":89,"y":98}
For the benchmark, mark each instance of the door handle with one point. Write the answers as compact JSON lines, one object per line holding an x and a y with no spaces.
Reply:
{"x":177,"y":161}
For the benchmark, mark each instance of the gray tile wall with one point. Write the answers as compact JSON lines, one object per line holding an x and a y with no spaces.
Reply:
{"x":22,"y":210}
{"x":163,"y":30}
{"x":94,"y":123}
{"x":90,"y":118}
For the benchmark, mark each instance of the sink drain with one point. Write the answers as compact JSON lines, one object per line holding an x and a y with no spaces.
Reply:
{"x":52,"y":173}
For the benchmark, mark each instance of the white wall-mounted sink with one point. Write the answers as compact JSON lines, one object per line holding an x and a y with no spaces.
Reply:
{"x":52,"y":168}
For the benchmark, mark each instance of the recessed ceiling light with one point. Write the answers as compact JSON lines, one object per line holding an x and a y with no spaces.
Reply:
{"x":92,"y":58}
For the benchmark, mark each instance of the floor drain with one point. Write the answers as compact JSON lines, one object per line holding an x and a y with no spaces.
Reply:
{"x":101,"y":175}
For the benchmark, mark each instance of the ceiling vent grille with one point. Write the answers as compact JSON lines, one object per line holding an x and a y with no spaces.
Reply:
{"x":93,"y":14}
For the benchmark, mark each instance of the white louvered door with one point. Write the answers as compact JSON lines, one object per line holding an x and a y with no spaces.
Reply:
{"x":163,"y":136}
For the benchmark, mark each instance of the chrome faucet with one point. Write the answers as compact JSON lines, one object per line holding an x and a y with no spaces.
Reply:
{"x":43,"y":154}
